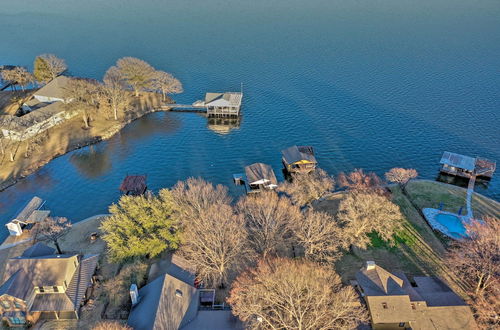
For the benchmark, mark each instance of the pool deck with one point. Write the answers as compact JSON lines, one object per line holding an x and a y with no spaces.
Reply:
{"x":430,"y":213}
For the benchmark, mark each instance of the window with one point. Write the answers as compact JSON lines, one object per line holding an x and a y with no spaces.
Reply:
{"x":5,"y":304}
{"x":17,"y":304}
{"x":402,"y":324}
{"x":384,"y":305}
{"x":56,"y":289}
{"x":413,"y":306}
{"x":42,"y":290}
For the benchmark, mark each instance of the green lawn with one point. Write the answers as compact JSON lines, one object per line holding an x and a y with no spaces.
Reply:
{"x":418,"y":250}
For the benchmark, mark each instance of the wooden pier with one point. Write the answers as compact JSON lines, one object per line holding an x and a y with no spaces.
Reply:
{"x":226,"y":104}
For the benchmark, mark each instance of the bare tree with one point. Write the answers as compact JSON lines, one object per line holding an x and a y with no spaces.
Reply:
{"x":48,"y":67}
{"x":319,"y":235}
{"x":307,"y":187}
{"x":267,"y":217}
{"x":401,"y":176}
{"x":19,"y":76}
{"x":361,"y":213}
{"x":166,"y":83}
{"x":294,"y":294}
{"x":215,"y":243}
{"x":115,"y":92}
{"x":111,"y":325}
{"x":52,"y":229}
{"x":360,"y":181}
{"x":476,"y":260}
{"x":82,"y":97}
{"x":195,"y":195}
{"x":137,"y":73}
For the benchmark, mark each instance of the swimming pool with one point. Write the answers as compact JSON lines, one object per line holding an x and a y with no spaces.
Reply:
{"x":453,"y":223}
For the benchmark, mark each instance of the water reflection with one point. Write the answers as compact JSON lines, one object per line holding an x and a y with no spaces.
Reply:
{"x":223,"y":125}
{"x":92,"y":162}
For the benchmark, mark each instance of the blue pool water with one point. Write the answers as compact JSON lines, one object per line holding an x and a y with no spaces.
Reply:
{"x":370,"y":84}
{"x":454,"y":225}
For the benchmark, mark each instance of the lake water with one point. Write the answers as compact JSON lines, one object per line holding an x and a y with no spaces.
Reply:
{"x":370,"y":84}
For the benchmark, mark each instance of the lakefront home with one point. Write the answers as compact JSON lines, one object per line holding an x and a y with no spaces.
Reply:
{"x":40,"y":284}
{"x":175,"y":301}
{"x":223,"y":104}
{"x":395,"y":302}
{"x":43,"y":111}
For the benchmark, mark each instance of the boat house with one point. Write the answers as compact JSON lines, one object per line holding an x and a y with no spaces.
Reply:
{"x":223,"y":104}
{"x":299,"y":159}
{"x":465,"y":166}
{"x":260,"y":177}
{"x":27,"y":217}
{"x":134,"y":185}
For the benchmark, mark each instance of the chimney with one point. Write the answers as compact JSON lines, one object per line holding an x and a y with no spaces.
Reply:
{"x":134,"y":294}
{"x":370,"y":265}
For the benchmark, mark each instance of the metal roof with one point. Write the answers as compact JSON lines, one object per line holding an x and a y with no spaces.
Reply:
{"x":457,"y":160}
{"x":228,"y":99}
{"x":298,"y":153}
{"x":260,"y":172}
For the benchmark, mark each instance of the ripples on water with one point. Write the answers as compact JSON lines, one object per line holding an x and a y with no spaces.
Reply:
{"x":370,"y":85}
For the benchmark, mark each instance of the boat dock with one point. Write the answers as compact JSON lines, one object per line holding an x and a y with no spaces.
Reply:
{"x":226,"y":104}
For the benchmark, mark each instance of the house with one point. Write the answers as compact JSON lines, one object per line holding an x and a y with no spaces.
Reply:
{"x":172,"y":301}
{"x":465,"y":166}
{"x":223,"y":104}
{"x":396,"y":303}
{"x":53,"y":91}
{"x":40,"y":284}
{"x":299,"y":159}
{"x":259,"y":177}
{"x":29,"y":215}
{"x":40,"y":118}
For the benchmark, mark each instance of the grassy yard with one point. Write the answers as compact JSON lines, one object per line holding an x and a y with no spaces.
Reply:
{"x":425,"y":193}
{"x":419,"y":251}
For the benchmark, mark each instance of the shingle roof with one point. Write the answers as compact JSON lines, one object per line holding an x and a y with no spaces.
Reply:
{"x":46,"y":270}
{"x":457,"y":160}
{"x":295,"y":154}
{"x":18,"y":285}
{"x":55,"y":88}
{"x":379,"y":282}
{"x":165,"y":303}
{"x":260,"y":172}
{"x":37,"y":250}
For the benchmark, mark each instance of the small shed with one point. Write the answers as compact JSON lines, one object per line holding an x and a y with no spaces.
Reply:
{"x":134,"y":185}
{"x":260,"y":176}
{"x":299,"y":159}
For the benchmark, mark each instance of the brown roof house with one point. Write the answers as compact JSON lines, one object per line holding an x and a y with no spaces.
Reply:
{"x":173,"y":301}
{"x":40,"y":284}
{"x":396,"y":303}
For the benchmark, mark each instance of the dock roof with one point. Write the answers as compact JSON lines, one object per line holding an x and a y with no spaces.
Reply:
{"x":228,"y":99}
{"x":34,"y":204}
{"x":296,"y":154}
{"x":457,"y":160}
{"x":260,"y":173}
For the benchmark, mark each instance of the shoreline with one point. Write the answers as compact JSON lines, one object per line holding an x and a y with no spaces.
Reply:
{"x":113,"y":130}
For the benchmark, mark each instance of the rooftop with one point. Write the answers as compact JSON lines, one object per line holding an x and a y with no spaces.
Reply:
{"x":296,"y":154}
{"x":55,"y":88}
{"x":457,"y":160}
{"x":260,"y":173}
{"x":228,"y":99}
